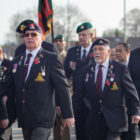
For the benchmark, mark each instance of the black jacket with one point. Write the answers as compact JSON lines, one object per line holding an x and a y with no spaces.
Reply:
{"x":35,"y":102}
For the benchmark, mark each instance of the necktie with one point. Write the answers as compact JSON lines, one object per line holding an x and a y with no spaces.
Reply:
{"x":25,"y":69}
{"x":99,"y":81}
{"x":84,"y":55}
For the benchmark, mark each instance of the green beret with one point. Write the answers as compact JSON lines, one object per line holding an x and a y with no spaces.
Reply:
{"x":101,"y":41}
{"x":59,"y":37}
{"x":84,"y":26}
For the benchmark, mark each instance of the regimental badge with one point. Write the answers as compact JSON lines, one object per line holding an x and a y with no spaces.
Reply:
{"x":39,"y":78}
{"x":114,"y":87}
{"x":41,"y":55}
{"x":82,"y":27}
{"x":101,"y":42}
{"x":22,"y":27}
{"x":15,"y":68}
{"x":72,"y":65}
{"x":32,"y":26}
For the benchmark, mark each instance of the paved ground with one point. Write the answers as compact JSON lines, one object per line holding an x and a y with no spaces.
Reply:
{"x":17,"y":134}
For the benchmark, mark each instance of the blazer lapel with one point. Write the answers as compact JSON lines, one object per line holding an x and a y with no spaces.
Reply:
{"x":35,"y":68}
{"x":109,"y":78}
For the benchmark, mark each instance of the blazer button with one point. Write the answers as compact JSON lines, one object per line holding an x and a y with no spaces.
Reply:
{"x":23,"y":101}
{"x":23,"y":90}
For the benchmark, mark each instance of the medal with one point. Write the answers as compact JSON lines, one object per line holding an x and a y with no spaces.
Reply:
{"x":14,"y":68}
{"x":43,"y":70}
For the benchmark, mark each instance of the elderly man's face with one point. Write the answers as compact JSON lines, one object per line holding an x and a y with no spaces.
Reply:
{"x":101,"y":53}
{"x":85,"y":38}
{"x":32,"y":39}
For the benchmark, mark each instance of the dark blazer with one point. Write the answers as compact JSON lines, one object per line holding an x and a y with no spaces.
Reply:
{"x":134,"y":68}
{"x":10,"y":104}
{"x":35,"y":102}
{"x":45,"y":45}
{"x":112,"y":103}
{"x":73,"y":63}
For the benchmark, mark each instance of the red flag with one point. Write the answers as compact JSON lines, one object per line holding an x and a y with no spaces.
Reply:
{"x":45,"y":15}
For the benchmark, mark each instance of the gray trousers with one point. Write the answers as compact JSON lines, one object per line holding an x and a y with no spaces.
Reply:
{"x":38,"y":133}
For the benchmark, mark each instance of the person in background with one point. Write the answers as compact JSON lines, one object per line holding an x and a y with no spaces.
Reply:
{"x":123,"y":53}
{"x":6,"y":134}
{"x":59,"y":131}
{"x":21,"y":48}
{"x":113,"y":54}
{"x":77,"y":58}
{"x":103,"y":88}
{"x":134,"y":69}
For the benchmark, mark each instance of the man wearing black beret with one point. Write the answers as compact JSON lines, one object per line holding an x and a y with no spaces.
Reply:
{"x":21,"y":49}
{"x":103,"y":88}
{"x":77,"y":58}
{"x":34,"y":75}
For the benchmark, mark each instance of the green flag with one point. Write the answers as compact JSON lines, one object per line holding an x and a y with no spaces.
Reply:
{"x":45,"y":15}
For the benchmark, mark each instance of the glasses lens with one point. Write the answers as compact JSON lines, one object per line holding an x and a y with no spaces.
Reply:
{"x":32,"y":35}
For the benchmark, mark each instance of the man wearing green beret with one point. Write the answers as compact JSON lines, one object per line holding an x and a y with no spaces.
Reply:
{"x":77,"y":58}
{"x":59,"y":131}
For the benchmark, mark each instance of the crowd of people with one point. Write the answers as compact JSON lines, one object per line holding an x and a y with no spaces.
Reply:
{"x":91,"y":86}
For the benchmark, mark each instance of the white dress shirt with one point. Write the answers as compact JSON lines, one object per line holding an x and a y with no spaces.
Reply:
{"x":34,"y":53}
{"x":87,"y":50}
{"x":105,"y":66}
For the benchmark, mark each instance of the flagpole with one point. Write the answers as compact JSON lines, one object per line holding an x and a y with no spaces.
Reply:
{"x":124,"y":20}
{"x":52,"y":32}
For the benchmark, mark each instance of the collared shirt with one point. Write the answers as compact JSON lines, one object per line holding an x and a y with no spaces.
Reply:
{"x":105,"y":66}
{"x":87,"y":50}
{"x":126,"y":63}
{"x":34,"y":53}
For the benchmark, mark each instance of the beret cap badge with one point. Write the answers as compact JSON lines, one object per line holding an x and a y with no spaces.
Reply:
{"x":22,"y":27}
{"x":82,"y":27}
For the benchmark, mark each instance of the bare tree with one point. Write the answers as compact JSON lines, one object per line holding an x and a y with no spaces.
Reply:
{"x":133,"y":23}
{"x":64,"y":22}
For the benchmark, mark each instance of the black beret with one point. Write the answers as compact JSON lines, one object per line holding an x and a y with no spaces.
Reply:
{"x":101,"y":41}
{"x":23,"y":24}
{"x":33,"y":27}
{"x":59,"y":37}
{"x":84,"y":26}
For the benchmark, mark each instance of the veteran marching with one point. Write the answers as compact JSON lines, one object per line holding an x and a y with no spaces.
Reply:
{"x":40,"y":86}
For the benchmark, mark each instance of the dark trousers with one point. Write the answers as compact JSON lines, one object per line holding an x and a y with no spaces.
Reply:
{"x":38,"y":133}
{"x":80,"y":124}
{"x":97,"y":128}
{"x":131,"y":133}
{"x":6,"y":134}
{"x":59,"y":132}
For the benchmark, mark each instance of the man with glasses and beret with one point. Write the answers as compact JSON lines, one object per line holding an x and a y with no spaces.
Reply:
{"x":103,"y":88}
{"x":21,"y":48}
{"x":77,"y":58}
{"x":34,"y":76}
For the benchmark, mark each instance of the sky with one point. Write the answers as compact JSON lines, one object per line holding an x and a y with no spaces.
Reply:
{"x":104,"y":14}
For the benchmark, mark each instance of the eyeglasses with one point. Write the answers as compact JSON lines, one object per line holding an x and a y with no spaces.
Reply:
{"x":32,"y":35}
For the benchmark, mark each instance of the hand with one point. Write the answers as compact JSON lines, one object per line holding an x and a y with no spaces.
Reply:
{"x":4,"y":99}
{"x":135,"y":119}
{"x":58,"y":110}
{"x":4,"y":123}
{"x":68,"y":122}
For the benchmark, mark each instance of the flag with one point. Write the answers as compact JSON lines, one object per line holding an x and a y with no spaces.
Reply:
{"x":45,"y":15}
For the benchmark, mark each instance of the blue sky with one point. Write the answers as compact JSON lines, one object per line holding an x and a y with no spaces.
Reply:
{"x":104,"y":14}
